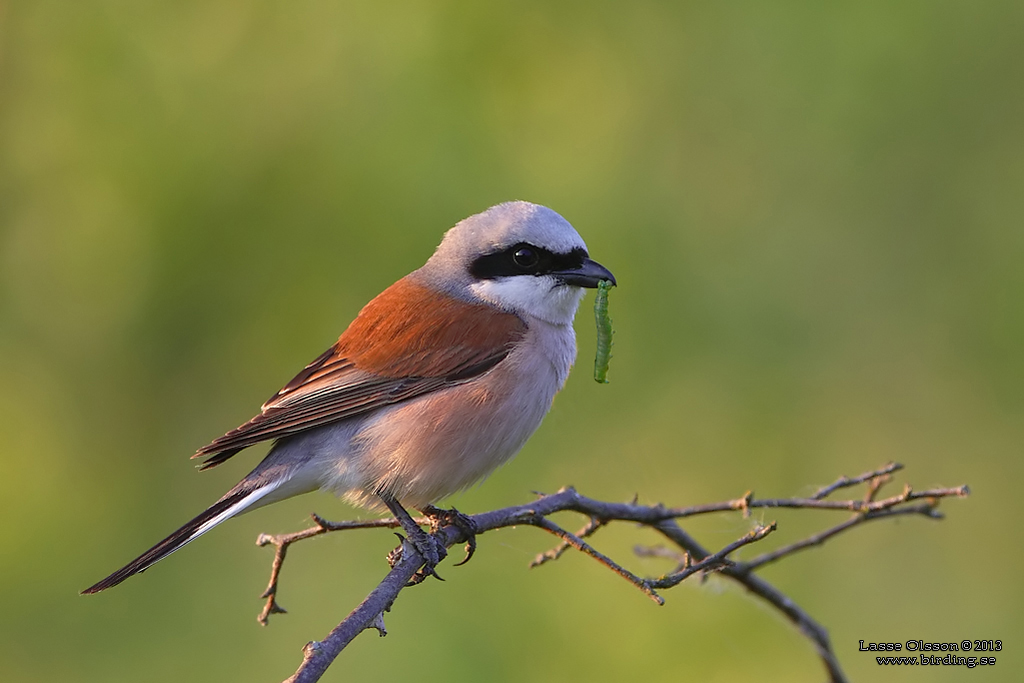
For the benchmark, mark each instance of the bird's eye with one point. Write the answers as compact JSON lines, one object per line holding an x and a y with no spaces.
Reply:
{"x":525,"y":257}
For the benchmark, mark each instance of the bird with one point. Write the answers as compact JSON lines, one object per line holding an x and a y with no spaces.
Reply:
{"x":438,"y":381}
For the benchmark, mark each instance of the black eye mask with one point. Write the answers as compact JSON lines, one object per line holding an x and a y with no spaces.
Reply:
{"x":525,"y":259}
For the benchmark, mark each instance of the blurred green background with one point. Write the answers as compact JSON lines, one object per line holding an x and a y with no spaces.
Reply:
{"x":814,"y":211}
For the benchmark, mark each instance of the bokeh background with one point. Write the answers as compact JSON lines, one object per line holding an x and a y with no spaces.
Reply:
{"x":815,"y":214}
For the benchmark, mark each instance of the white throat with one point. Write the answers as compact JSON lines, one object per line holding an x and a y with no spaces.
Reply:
{"x":540,"y":297}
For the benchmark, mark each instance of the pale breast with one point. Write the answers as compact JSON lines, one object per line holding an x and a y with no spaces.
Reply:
{"x":430,"y":447}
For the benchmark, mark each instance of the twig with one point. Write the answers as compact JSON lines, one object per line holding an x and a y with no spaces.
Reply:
{"x":925,"y":509}
{"x":764,"y":590}
{"x":317,"y":656}
{"x":582,"y":546}
{"x":715,"y":561}
{"x":875,"y":485}
{"x":692,"y":558}
{"x":846,"y":482}
{"x":281,"y":543}
{"x":593,"y":525}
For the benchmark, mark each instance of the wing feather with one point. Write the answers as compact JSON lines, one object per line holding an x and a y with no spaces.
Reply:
{"x":407,"y":342}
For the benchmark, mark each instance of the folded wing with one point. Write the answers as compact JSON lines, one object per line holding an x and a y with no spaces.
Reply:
{"x":409,"y":341}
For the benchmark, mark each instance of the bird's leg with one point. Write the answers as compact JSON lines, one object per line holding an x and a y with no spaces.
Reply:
{"x":432,"y":550}
{"x":439,"y":518}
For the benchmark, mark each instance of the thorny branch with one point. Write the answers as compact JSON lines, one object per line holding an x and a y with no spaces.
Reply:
{"x":691,"y":557}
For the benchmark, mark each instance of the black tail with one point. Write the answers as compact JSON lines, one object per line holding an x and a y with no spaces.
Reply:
{"x":171,"y":543}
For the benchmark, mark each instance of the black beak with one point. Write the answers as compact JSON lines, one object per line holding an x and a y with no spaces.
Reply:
{"x":587,"y":275}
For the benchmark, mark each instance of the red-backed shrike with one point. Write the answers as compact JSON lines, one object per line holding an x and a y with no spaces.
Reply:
{"x":438,"y":381}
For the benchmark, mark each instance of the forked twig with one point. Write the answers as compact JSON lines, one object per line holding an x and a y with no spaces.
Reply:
{"x":711,"y":562}
{"x":548,"y":556}
{"x":574,"y":541}
{"x":846,"y":482}
{"x":282,"y":541}
{"x":691,"y":557}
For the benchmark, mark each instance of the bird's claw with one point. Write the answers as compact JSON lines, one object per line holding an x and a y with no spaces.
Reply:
{"x":395,"y":556}
{"x":440,"y":518}
{"x":430,"y":549}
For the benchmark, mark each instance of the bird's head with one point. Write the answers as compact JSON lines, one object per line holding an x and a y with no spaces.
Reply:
{"x":518,"y":256}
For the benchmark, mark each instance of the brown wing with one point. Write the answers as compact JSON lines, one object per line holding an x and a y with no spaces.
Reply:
{"x":407,"y":342}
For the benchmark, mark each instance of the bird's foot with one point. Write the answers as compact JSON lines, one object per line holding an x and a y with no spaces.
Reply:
{"x":430,"y":549}
{"x":440,"y":518}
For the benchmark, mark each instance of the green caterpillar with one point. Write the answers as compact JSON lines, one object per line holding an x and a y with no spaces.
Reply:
{"x":604,"y":332}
